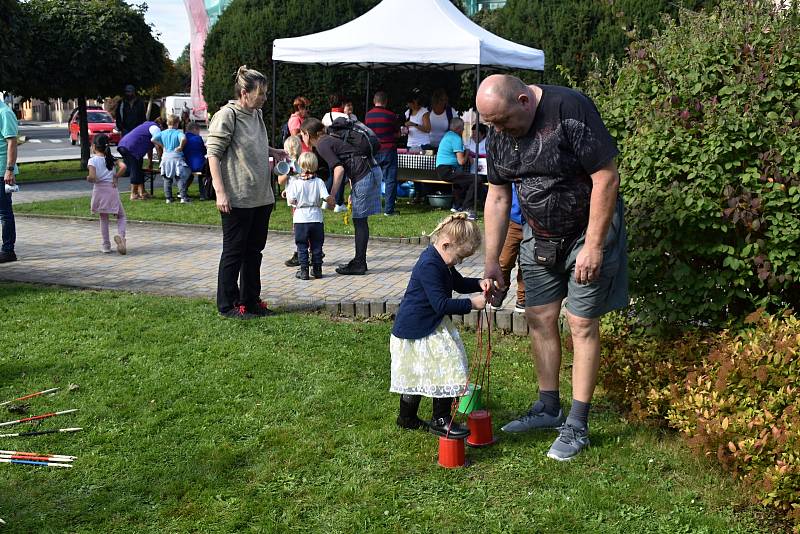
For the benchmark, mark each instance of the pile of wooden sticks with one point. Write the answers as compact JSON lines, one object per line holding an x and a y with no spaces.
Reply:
{"x":36,"y":417}
{"x":35,"y":458}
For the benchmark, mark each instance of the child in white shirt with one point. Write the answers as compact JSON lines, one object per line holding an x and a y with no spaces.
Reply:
{"x":293,"y":148}
{"x":306,"y":194}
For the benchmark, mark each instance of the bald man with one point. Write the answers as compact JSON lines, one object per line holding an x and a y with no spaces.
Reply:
{"x":551,"y":142}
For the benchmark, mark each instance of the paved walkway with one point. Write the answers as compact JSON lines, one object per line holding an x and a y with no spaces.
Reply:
{"x":183,"y":260}
{"x":176,"y":260}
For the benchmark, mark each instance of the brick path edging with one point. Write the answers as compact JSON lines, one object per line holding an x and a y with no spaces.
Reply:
{"x":508,"y":321}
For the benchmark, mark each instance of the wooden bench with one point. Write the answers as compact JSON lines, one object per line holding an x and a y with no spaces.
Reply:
{"x":431,"y":181}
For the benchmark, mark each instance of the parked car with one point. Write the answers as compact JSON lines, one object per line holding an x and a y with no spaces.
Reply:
{"x":99,"y":121}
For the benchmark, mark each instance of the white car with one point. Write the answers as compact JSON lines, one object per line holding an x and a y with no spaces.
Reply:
{"x":177,"y":104}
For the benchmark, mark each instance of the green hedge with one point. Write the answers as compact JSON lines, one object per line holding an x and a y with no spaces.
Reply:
{"x":707,"y":117}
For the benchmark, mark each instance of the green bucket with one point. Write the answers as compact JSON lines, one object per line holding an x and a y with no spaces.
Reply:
{"x":471,"y":400}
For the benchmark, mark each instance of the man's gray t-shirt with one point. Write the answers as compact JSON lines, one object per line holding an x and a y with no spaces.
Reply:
{"x":552,"y":163}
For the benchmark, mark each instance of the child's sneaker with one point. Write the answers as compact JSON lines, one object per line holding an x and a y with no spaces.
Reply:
{"x":186,"y":200}
{"x":106,"y":249}
{"x":169,"y":201}
{"x":519,"y":307}
{"x":122,"y":245}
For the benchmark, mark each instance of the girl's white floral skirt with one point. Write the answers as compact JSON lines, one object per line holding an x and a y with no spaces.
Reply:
{"x":434,"y":366}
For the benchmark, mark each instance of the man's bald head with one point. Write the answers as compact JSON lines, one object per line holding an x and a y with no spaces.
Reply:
{"x":502,"y":87}
{"x":507,"y":103}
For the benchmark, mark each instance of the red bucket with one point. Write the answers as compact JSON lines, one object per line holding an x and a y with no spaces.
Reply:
{"x":480,"y":429}
{"x":451,"y":452}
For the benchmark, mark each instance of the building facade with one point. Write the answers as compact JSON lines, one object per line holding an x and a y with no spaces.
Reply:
{"x":473,"y":6}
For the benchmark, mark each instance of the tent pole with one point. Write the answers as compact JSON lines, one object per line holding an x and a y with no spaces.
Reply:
{"x":366,"y":97}
{"x":274,"y":99}
{"x":477,"y":143}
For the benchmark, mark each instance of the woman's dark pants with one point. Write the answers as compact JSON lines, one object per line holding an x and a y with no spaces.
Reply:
{"x":244,"y":234}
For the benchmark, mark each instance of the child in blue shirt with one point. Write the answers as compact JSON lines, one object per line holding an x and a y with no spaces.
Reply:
{"x":194,"y":152}
{"x":428,"y":356}
{"x":450,"y":160}
{"x":173,"y":166}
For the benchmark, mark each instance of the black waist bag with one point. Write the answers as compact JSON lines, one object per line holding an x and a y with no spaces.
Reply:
{"x":548,"y":251}
{"x":545,"y":252}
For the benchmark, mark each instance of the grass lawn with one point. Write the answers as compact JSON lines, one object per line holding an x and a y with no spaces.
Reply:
{"x":199,"y":424}
{"x":50,"y":171}
{"x":413,"y":220}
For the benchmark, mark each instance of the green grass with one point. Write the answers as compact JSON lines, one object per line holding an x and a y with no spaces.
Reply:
{"x":413,"y":221}
{"x":199,"y":424}
{"x":51,"y":171}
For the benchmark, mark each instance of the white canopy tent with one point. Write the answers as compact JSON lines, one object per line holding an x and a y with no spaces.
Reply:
{"x":410,"y":34}
{"x":432,"y":32}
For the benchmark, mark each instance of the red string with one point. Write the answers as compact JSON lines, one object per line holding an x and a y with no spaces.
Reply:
{"x":480,"y":366}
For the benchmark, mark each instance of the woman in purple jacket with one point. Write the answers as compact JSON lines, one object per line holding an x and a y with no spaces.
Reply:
{"x":133,"y":148}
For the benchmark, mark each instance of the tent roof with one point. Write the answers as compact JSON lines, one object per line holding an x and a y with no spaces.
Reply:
{"x":410,"y":32}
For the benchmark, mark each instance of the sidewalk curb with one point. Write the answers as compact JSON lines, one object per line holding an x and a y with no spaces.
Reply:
{"x":32,"y":182}
{"x":422,"y":240}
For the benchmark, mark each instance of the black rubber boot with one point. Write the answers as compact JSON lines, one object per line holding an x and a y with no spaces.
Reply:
{"x":409,"y":404}
{"x":302,"y":273}
{"x":442,"y":423}
{"x":316,"y":271}
{"x":292,"y":262}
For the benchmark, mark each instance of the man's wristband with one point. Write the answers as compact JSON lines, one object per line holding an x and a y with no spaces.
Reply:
{"x":11,"y":168}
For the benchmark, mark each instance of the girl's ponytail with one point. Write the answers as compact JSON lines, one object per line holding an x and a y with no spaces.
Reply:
{"x":466,"y":234}
{"x":101,"y":143}
{"x":109,"y":158}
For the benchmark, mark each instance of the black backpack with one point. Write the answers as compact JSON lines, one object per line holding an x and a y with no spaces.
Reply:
{"x":356,"y":134}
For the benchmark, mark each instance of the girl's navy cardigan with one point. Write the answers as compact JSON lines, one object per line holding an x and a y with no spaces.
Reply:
{"x":429,"y":296}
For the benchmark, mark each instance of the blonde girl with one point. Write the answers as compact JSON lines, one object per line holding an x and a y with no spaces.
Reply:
{"x":428,"y":356}
{"x":293,"y":148}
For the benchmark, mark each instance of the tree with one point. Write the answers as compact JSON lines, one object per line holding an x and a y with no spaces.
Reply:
{"x":572,"y":32}
{"x":12,"y":52}
{"x":184,"y":71}
{"x":85,"y":49}
{"x":168,"y":84}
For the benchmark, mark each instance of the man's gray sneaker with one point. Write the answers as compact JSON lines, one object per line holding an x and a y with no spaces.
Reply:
{"x":570,"y":441}
{"x":535,"y":419}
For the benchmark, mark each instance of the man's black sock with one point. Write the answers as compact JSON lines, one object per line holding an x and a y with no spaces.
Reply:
{"x":551,"y":401}
{"x":579,"y":414}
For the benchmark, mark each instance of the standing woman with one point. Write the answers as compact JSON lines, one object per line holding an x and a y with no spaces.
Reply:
{"x":301,"y":107}
{"x":345,"y":161}
{"x":238,"y":157}
{"x":417,"y":122}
